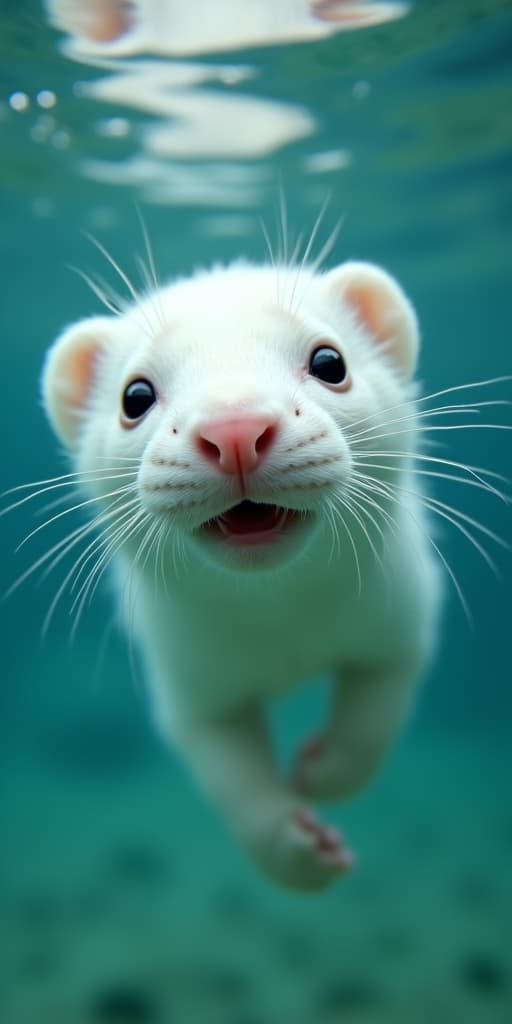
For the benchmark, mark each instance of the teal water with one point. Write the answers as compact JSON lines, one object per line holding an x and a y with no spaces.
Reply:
{"x":122,"y":897}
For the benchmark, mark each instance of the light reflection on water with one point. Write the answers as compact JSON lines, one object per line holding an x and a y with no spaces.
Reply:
{"x":197,"y":111}
{"x":181,"y":28}
{"x":332,"y":114}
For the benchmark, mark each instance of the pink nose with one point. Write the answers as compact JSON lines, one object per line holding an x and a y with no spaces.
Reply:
{"x":238,"y":445}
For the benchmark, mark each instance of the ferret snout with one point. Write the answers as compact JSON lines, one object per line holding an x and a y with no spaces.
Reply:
{"x":237,"y":445}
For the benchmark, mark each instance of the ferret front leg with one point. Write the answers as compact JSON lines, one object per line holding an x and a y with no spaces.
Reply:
{"x":370,"y":703}
{"x":232,"y":758}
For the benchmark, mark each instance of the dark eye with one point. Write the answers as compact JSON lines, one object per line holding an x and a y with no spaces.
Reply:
{"x":327,"y":365}
{"x":138,"y":397}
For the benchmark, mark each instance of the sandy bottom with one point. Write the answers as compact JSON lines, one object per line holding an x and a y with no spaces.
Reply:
{"x":124,"y":900}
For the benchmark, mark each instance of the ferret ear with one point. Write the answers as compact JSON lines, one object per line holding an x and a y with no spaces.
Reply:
{"x":382,"y":308}
{"x":69,"y":372}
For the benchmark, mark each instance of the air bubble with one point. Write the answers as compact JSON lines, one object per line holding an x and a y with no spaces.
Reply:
{"x":19,"y":101}
{"x":46,"y":98}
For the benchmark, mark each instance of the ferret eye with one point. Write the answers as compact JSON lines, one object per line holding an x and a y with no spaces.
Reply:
{"x":327,"y":365}
{"x":138,"y":397}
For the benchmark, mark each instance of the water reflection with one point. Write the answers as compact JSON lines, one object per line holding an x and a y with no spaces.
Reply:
{"x":195,"y":122}
{"x":179,"y":28}
{"x":197,"y":125}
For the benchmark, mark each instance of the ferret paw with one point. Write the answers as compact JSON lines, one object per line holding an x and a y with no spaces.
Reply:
{"x":319,"y":772}
{"x":299,"y":851}
{"x":328,"y":771}
{"x":313,"y":853}
{"x":314,"y":774}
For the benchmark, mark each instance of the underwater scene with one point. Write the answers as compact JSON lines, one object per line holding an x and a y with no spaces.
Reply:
{"x":141,"y":141}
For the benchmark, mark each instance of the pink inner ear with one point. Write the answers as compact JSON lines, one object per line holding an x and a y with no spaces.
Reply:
{"x":371,"y":309}
{"x":83,"y":370}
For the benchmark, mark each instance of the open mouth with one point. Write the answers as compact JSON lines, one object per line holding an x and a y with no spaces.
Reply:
{"x":252,"y":522}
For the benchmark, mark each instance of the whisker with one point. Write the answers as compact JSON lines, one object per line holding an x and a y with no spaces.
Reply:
{"x":504,"y":379}
{"x":418,"y":415}
{"x":350,"y":503}
{"x":268,"y":243}
{"x":158,"y":555}
{"x":316,"y":227}
{"x":105,"y":293}
{"x":146,"y":545}
{"x":152,"y":297}
{"x":477,"y":472}
{"x":110,"y":543}
{"x":324,"y":252}
{"x":150,"y":271}
{"x":295,"y":255}
{"x":63,"y":546}
{"x":362,"y":501}
{"x":429,"y":429}
{"x":115,"y":265}
{"x":128,"y":592}
{"x":453,"y":516}
{"x":283,"y":223}
{"x":273,"y":260}
{"x":102,"y":565}
{"x":154,"y":279}
{"x":468,"y":519}
{"x":466,"y":533}
{"x":76,"y":569}
{"x":388,"y":492}
{"x":121,"y":514}
{"x":50,"y":506}
{"x":441,"y":504}
{"x":96,"y":524}
{"x":453,"y":477}
{"x":434,"y":394}
{"x":54,"y":487}
{"x":81,"y":476}
{"x":348,"y":531}
{"x":331,"y":519}
{"x":137,"y":298}
{"x":163,"y":543}
{"x":176,"y":552}
{"x":368,"y":500}
{"x":73,"y":508}
{"x":451,"y":574}
{"x":327,"y":247}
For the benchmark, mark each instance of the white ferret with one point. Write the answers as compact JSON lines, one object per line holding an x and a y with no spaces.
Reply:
{"x":249,"y":434}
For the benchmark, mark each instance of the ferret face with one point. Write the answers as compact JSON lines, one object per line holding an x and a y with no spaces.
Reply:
{"x":236,"y":401}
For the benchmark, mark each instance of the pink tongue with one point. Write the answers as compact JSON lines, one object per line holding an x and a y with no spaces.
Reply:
{"x":250,"y":518}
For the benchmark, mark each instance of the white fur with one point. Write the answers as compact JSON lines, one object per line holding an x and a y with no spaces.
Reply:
{"x":221,"y":629}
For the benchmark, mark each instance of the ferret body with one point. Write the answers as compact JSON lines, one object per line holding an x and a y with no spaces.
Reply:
{"x":230,"y":427}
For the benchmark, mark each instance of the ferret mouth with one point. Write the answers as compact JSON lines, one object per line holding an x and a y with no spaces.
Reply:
{"x":252,"y":522}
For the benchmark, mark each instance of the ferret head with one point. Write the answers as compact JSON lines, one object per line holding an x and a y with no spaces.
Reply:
{"x":236,"y":404}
